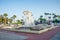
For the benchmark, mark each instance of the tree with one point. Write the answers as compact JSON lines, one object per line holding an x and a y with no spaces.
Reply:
{"x":54,"y":19}
{"x":49,"y":22}
{"x":49,"y":18}
{"x":5,"y":18}
{"x":1,"y":19}
{"x":44,"y":20}
{"x":40,"y":18}
{"x":14,"y":16}
{"x":58,"y":16}
{"x":46,"y":13}
{"x":54,"y":15}
{"x":22,"y":21}
{"x":10,"y":20}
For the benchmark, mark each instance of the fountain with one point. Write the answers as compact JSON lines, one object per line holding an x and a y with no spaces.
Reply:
{"x":29,"y":21}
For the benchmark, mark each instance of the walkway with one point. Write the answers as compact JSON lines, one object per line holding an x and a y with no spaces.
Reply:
{"x":29,"y":36}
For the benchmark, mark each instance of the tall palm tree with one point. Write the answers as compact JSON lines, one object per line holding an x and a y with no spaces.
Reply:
{"x":58,"y":16}
{"x":22,"y":21}
{"x":44,"y":20}
{"x":14,"y":16}
{"x":46,"y":14}
{"x":1,"y":17}
{"x":49,"y":19}
{"x":18,"y":21}
{"x":54,"y":19}
{"x":10,"y":20}
{"x":41,"y":18}
{"x":54,"y":15}
{"x":5,"y":18}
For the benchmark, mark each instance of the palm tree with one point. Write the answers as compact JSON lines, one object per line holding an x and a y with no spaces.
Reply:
{"x":54,"y":19}
{"x":18,"y":21}
{"x":58,"y":16}
{"x":44,"y":20}
{"x":5,"y":18}
{"x":1,"y":17}
{"x":49,"y":19}
{"x":41,"y":17}
{"x":22,"y":21}
{"x":14,"y":16}
{"x":46,"y":14}
{"x":10,"y":20}
{"x":54,"y":15}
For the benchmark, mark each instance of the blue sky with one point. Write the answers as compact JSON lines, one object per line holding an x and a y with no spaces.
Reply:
{"x":37,"y":7}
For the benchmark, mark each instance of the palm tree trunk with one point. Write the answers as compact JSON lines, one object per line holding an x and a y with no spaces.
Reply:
{"x":5,"y":21}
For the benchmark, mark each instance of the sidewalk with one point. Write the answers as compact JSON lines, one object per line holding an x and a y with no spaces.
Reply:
{"x":43,"y":36}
